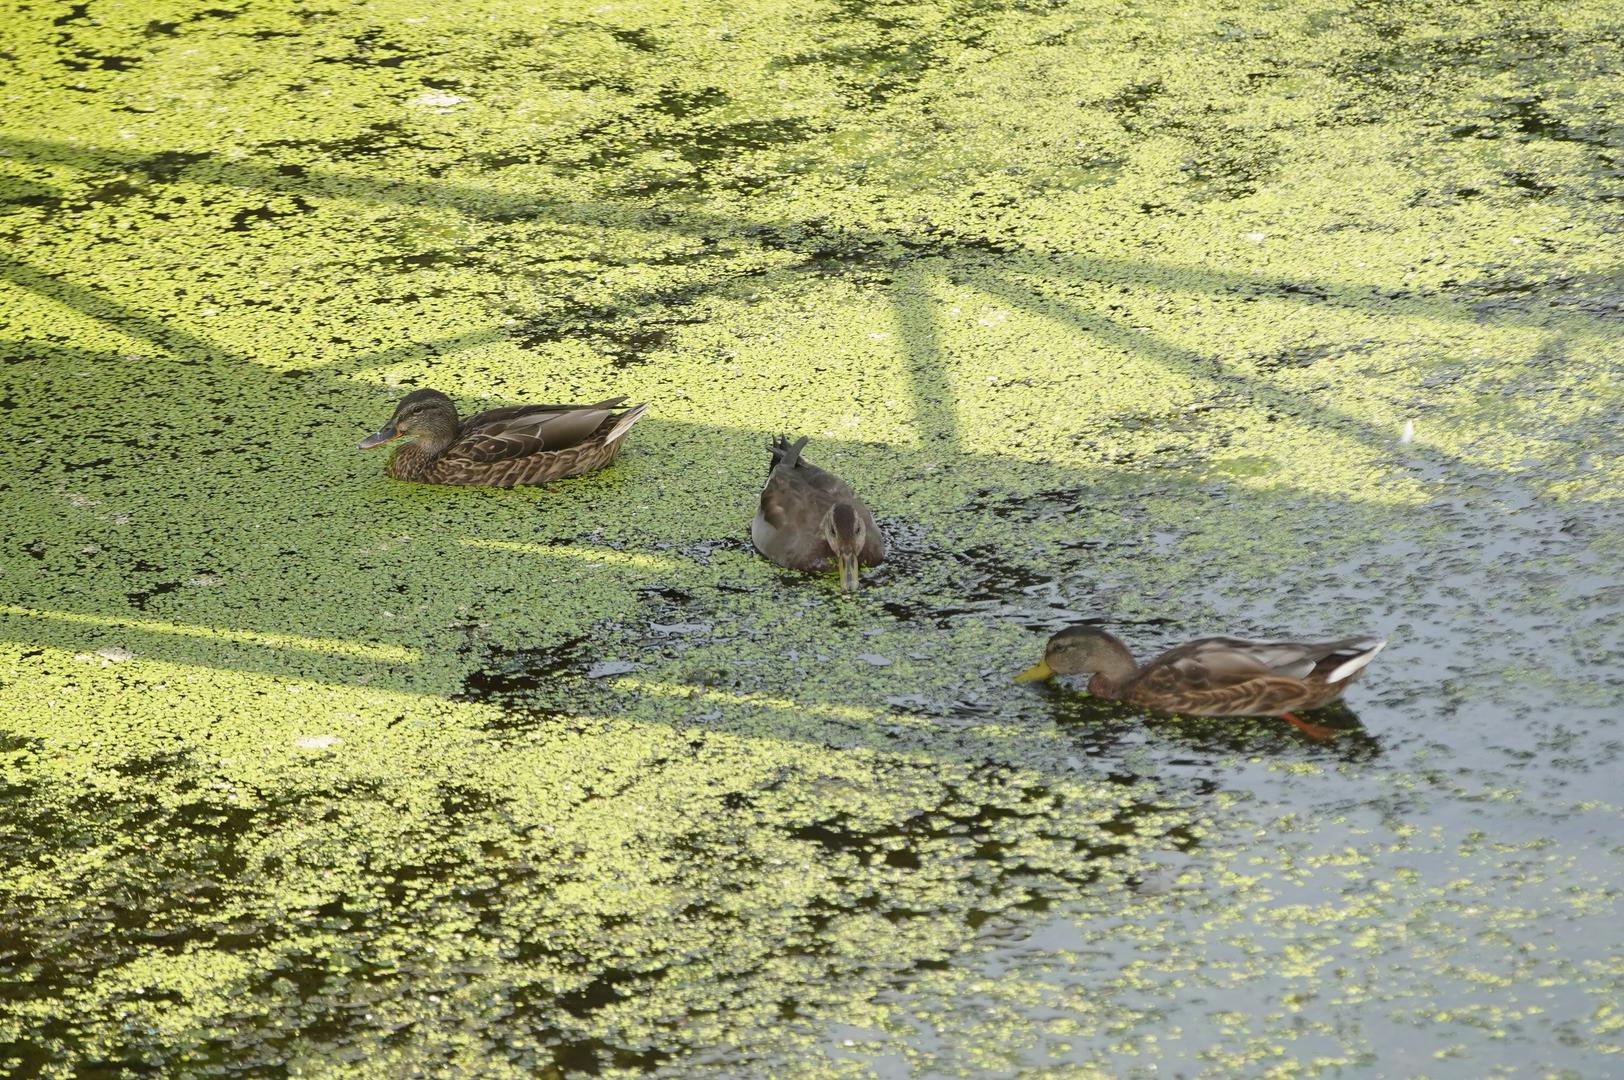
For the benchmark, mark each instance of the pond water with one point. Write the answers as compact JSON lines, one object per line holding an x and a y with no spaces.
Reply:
{"x":1178,"y":319}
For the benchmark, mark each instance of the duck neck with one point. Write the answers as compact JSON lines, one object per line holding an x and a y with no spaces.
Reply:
{"x":1115,"y":668}
{"x":1102,"y":685}
{"x":412,"y":459}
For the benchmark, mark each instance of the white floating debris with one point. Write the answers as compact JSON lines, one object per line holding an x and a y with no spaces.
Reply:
{"x":1257,"y":237}
{"x":681,"y":628}
{"x":1408,"y":434}
{"x":115,"y":654}
{"x":317,"y":742}
{"x":610,"y":667}
{"x":874,"y":658}
{"x":437,"y":101}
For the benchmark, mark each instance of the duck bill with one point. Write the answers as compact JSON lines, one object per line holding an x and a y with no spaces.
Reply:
{"x":1036,"y":673}
{"x":848,"y":573}
{"x":378,"y":438}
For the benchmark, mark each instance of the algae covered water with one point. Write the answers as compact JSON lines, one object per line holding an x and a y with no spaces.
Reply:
{"x":1275,"y":320}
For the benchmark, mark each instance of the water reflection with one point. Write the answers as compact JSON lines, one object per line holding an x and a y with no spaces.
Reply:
{"x":350,"y":909}
{"x":1103,"y":729}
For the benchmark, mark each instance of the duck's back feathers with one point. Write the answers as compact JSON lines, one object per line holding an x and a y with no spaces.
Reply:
{"x":530,"y":428}
{"x":1234,"y":677}
{"x":531,"y":444}
{"x":789,"y":518}
{"x":785,"y":453}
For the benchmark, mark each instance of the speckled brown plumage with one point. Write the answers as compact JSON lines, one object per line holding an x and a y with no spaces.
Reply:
{"x":807,"y":516}
{"x":1217,"y":676}
{"x":507,"y":447}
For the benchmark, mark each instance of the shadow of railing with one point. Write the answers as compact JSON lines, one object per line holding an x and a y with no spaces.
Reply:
{"x":426,"y":880}
{"x":904,"y":263}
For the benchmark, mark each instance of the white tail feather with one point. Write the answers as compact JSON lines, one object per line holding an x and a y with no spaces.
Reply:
{"x":624,"y":424}
{"x":1356,"y":663}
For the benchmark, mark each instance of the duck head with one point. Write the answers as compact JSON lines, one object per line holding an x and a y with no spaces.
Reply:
{"x":845,"y":533}
{"x":425,"y":414}
{"x":1080,"y":650}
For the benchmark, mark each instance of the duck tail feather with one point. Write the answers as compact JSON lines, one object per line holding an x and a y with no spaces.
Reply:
{"x":1353,"y":655}
{"x":786,"y":453}
{"x":624,"y":422}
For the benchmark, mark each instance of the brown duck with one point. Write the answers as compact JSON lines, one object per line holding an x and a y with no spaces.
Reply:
{"x":1216,"y":676}
{"x":809,"y":519}
{"x":520,"y":444}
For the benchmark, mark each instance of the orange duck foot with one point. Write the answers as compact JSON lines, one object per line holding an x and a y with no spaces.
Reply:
{"x":1313,"y":731}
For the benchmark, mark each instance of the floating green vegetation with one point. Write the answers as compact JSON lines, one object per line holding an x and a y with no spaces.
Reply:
{"x":1268,"y":319}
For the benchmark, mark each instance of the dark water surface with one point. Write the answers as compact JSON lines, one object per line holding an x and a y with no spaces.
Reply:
{"x":1175,"y":319}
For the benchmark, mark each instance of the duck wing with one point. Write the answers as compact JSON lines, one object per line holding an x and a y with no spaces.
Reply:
{"x":1234,"y":676}
{"x":827,"y":484}
{"x":1321,"y":661}
{"x":522,"y":430}
{"x":520,"y":417}
{"x":789,"y":516}
{"x":792,"y":511}
{"x":1207,"y":663}
{"x":787,"y":456}
{"x":788,"y":527}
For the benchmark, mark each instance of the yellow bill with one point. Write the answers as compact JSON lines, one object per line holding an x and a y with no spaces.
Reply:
{"x":1038,"y":671}
{"x":848,"y":572}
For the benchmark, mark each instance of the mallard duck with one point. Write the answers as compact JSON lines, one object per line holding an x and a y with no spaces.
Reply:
{"x":520,"y":444}
{"x":809,"y":519}
{"x":1216,"y":676}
